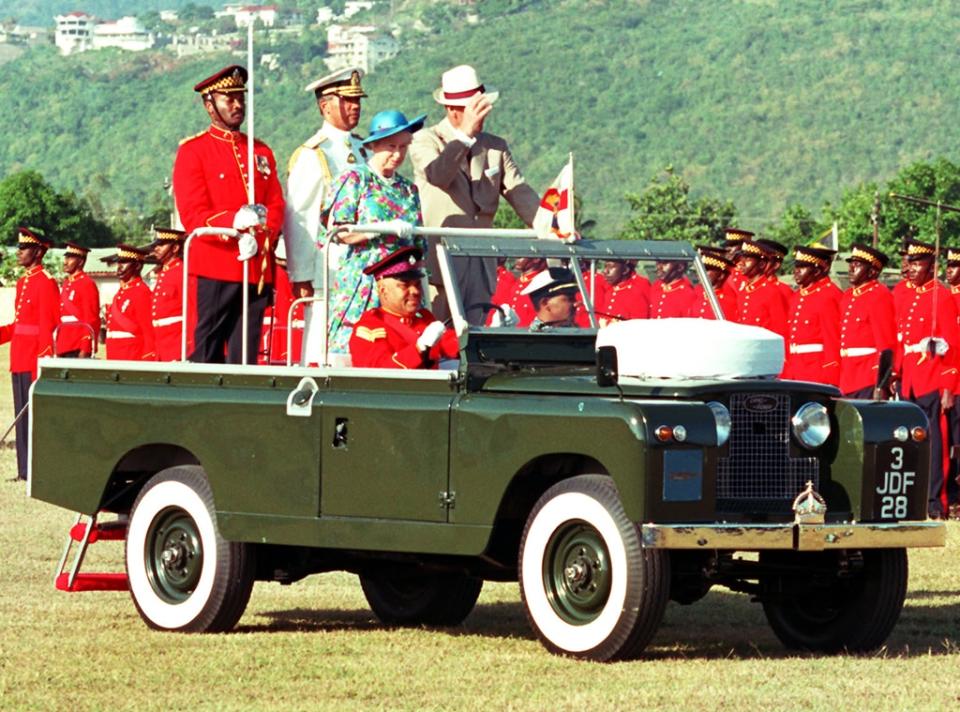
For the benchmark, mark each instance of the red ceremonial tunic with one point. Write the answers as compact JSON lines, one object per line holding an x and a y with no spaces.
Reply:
{"x":630,"y":299}
{"x":671,"y":300}
{"x":520,"y":303}
{"x":167,"y":312}
{"x":79,"y":314}
{"x":210,"y":185}
{"x":867,"y":327}
{"x":506,"y":282}
{"x":726,"y":295}
{"x":275,"y":326}
{"x":920,"y":372}
{"x":761,"y":304}
{"x":813,"y":334}
{"x":381,"y":339}
{"x":36,"y":315}
{"x":129,"y":324}
{"x":786,"y":293}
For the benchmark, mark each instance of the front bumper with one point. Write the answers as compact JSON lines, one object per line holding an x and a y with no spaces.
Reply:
{"x":795,"y":536}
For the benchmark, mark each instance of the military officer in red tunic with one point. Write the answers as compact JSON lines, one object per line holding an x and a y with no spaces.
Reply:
{"x":36,"y":315}
{"x":167,"y":306}
{"x":79,"y":328}
{"x":626,"y":294}
{"x":813,"y":324}
{"x":671,"y":295}
{"x":516,"y":306}
{"x":953,"y":415}
{"x":777,"y":253}
{"x":733,"y":239}
{"x":719,"y":270}
{"x":210,"y":187}
{"x":927,"y":356}
{"x":759,"y":299}
{"x":130,"y":335}
{"x":400,"y":333}
{"x":867,"y":322}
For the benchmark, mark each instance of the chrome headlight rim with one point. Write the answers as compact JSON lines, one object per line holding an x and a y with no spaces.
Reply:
{"x":724,"y":424}
{"x":811,"y":425}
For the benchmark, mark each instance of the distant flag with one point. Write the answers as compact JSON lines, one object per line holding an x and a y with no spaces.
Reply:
{"x":554,"y":218}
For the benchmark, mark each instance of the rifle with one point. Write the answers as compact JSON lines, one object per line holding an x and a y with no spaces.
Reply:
{"x":884,"y":372}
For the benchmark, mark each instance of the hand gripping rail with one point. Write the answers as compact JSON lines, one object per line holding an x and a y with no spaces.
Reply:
{"x":219,"y":232}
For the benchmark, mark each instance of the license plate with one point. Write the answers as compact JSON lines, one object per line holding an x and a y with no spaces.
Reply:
{"x":896,"y":481}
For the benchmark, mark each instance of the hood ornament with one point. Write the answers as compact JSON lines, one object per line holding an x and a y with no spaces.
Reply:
{"x":809,"y":507}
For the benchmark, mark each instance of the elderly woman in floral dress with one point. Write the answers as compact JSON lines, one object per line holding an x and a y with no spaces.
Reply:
{"x":368,"y":194}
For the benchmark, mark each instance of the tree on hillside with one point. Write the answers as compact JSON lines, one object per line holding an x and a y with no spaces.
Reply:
{"x":797,"y":226}
{"x":665,"y":211}
{"x":27,"y":199}
{"x":192,"y":13}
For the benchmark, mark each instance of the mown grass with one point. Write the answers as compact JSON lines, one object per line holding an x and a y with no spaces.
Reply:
{"x":316,"y":645}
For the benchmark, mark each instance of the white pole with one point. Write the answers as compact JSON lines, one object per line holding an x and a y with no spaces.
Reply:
{"x":573,"y":215}
{"x":250,"y":167}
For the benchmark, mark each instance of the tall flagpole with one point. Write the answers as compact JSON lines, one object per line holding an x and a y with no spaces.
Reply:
{"x":250,"y":94}
{"x":573,"y":202}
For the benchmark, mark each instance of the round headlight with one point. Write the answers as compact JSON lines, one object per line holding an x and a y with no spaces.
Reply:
{"x":722,"y":417}
{"x":811,"y":425}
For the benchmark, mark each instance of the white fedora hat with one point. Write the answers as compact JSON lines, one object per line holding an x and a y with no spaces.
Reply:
{"x":459,"y":85}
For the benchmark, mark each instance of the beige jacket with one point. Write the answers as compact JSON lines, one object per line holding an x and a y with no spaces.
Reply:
{"x":461,"y":187}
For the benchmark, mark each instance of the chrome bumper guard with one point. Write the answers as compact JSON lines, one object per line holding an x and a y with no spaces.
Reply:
{"x":795,"y":536}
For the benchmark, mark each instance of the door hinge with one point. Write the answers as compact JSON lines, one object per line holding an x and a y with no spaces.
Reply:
{"x":448,"y":500}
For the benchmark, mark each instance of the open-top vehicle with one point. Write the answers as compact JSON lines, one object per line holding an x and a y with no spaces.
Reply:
{"x":607,"y":481}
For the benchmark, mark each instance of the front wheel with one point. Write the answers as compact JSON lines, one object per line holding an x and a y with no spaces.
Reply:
{"x":831,"y":601}
{"x":590,"y":589}
{"x":183,"y":575}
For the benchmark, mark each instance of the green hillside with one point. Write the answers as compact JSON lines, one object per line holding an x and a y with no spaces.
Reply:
{"x":764,"y":103}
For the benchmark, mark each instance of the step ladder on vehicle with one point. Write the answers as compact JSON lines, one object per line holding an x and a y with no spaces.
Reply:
{"x":84,"y":534}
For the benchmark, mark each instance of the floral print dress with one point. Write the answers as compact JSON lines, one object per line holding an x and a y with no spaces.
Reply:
{"x":360,"y":195}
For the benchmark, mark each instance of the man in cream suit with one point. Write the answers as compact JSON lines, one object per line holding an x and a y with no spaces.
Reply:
{"x":312,"y":169}
{"x":462,"y":172}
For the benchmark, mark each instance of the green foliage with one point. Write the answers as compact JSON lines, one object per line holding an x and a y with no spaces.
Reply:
{"x":26,"y":199}
{"x":665,"y":210}
{"x":797,"y":226}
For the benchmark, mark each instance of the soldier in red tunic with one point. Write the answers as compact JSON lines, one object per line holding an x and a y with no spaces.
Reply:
{"x":79,"y":329}
{"x":400,"y":333}
{"x":867,"y":322}
{"x":210,"y":186}
{"x":671,"y":295}
{"x":625,"y":296}
{"x":515,"y":302}
{"x":760,"y":301}
{"x":733,"y":239}
{"x":953,"y":415}
{"x":167,"y":305}
{"x":719,"y":270}
{"x":777,"y":253}
{"x":927,"y":356}
{"x":36,"y":315}
{"x":129,"y":321}
{"x":813,"y":323}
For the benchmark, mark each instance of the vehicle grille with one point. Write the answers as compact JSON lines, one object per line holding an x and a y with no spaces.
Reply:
{"x":759,"y":466}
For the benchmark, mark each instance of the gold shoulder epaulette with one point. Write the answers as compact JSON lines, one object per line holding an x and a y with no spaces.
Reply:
{"x":293,"y":159}
{"x":190,"y":138}
{"x":315,"y":141}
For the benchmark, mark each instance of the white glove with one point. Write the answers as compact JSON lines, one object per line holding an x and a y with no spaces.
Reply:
{"x":504,"y":316}
{"x":940,"y":346}
{"x":247,"y":245}
{"x":430,"y":336}
{"x":249,"y":216}
{"x":400,"y":228}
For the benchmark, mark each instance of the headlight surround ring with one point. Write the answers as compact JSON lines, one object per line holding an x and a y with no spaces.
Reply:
{"x":811,"y":425}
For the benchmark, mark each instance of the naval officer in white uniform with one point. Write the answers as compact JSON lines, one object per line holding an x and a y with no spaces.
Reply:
{"x":312,"y":168}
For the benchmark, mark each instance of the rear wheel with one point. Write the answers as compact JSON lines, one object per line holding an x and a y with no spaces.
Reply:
{"x":401,"y":597}
{"x":183,"y":575}
{"x":839,"y":603}
{"x":590,"y":589}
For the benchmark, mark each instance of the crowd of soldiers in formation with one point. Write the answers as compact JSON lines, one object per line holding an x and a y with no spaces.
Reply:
{"x":830,"y":336}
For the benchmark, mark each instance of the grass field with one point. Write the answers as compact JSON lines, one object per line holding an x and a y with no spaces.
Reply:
{"x":316,"y":645}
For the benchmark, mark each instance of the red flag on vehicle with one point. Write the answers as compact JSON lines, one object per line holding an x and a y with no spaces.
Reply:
{"x":554,"y":218}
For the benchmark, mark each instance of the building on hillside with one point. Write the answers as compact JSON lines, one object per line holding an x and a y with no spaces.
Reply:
{"x":74,"y":32}
{"x":185,"y":44}
{"x":169,"y":16}
{"x":352,"y":7}
{"x":243,"y":15}
{"x":24,"y":35}
{"x":126,"y":33}
{"x":324,"y":15}
{"x":363,"y":46}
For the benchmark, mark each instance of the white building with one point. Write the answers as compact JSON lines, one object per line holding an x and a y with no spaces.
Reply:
{"x":246,"y":14}
{"x":324,"y":15}
{"x":74,"y":32}
{"x":361,"y":46}
{"x":352,"y":7}
{"x":126,"y":33}
{"x":169,"y":15}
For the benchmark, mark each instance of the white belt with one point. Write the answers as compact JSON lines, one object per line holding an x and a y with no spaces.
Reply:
{"x":167,"y":320}
{"x":120,"y":335}
{"x":298,"y":324}
{"x":806,"y":348}
{"x":66,"y":319}
{"x":857,"y":351}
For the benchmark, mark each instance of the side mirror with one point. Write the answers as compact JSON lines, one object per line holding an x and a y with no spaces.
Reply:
{"x":608,"y":373}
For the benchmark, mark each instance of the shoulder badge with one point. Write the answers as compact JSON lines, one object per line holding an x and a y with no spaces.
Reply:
{"x":190,"y":138}
{"x":315,"y":141}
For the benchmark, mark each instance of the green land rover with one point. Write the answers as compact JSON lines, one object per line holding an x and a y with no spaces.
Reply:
{"x":608,"y":471}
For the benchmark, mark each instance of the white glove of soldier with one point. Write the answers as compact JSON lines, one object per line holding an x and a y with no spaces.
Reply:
{"x":249,"y":216}
{"x":400,"y":228}
{"x":247,"y":245}
{"x":505,"y":316}
{"x":430,"y":336}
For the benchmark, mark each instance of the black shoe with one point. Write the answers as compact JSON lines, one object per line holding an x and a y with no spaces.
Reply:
{"x":934,"y":514}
